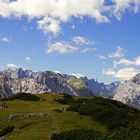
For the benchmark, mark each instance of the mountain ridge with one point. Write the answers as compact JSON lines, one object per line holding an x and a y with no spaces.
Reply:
{"x":27,"y":81}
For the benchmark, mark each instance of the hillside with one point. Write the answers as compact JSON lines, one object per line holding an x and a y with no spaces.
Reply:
{"x":63,"y":117}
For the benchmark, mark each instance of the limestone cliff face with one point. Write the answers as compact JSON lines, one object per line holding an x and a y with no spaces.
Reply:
{"x":5,"y":90}
{"x":129,"y":92}
{"x":19,"y":80}
{"x":40,"y":82}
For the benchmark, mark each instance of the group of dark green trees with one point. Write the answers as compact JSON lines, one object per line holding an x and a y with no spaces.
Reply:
{"x":122,"y":121}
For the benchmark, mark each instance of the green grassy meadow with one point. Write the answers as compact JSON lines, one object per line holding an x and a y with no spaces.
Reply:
{"x":42,"y":128}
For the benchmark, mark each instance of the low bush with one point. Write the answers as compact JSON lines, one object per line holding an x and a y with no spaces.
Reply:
{"x":6,"y":130}
{"x":23,"y":96}
{"x":82,"y":134}
{"x":112,"y":114}
{"x":66,"y":99}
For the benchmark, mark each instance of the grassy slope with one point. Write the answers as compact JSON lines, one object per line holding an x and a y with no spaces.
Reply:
{"x":42,"y":128}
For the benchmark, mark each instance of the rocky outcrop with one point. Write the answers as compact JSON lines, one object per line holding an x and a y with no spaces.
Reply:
{"x":129,"y":92}
{"x":26,"y":116}
{"x":30,"y":82}
{"x":27,"y":81}
{"x":5,"y":90}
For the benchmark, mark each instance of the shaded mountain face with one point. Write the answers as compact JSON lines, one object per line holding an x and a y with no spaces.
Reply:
{"x":101,"y":88}
{"x":92,"y":87}
{"x":81,"y":86}
{"x":19,"y":80}
{"x":5,"y":90}
{"x":129,"y":92}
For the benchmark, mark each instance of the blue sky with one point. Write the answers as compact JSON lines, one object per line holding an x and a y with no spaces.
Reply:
{"x":106,"y":48}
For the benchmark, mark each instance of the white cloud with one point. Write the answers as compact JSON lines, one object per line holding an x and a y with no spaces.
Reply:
{"x":49,"y":25}
{"x":12,"y":66}
{"x":85,"y":50}
{"x":118,"y":53}
{"x":109,"y":72}
{"x":75,"y":45}
{"x":126,"y":62}
{"x":122,"y":74}
{"x":51,"y":13}
{"x":78,"y":75}
{"x":122,"y":6}
{"x":73,"y":27}
{"x":62,"y":48}
{"x":28,"y":60}
{"x":4,"y":39}
{"x":101,"y":57}
{"x":81,"y":41}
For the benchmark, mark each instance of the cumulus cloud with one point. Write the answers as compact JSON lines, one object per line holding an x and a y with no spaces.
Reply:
{"x":12,"y":66}
{"x":51,"y":13}
{"x":49,"y":25}
{"x":122,"y":74}
{"x":126,"y":62}
{"x":77,"y":44}
{"x":28,"y":60}
{"x":62,"y":48}
{"x":5,"y":39}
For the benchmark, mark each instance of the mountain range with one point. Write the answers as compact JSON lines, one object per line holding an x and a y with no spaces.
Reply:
{"x":20,"y":80}
{"x":27,"y":81}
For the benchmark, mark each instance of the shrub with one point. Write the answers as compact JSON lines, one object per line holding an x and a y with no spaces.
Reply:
{"x":23,"y":96}
{"x":66,"y":99}
{"x":82,"y":134}
{"x":6,"y":130}
{"x":110,"y":113}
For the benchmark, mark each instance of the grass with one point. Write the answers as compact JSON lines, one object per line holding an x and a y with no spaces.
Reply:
{"x":70,"y":118}
{"x":43,"y":128}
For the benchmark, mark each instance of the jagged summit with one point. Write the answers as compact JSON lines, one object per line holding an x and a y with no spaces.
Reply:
{"x":129,"y":92}
{"x":20,"y":80}
{"x":136,"y":79}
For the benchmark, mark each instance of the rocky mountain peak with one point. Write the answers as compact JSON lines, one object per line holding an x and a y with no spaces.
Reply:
{"x":136,"y":79}
{"x":27,"y":81}
{"x":128,"y":92}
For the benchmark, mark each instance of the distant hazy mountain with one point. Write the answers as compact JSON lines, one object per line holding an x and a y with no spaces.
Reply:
{"x":129,"y":92}
{"x":19,"y":80}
